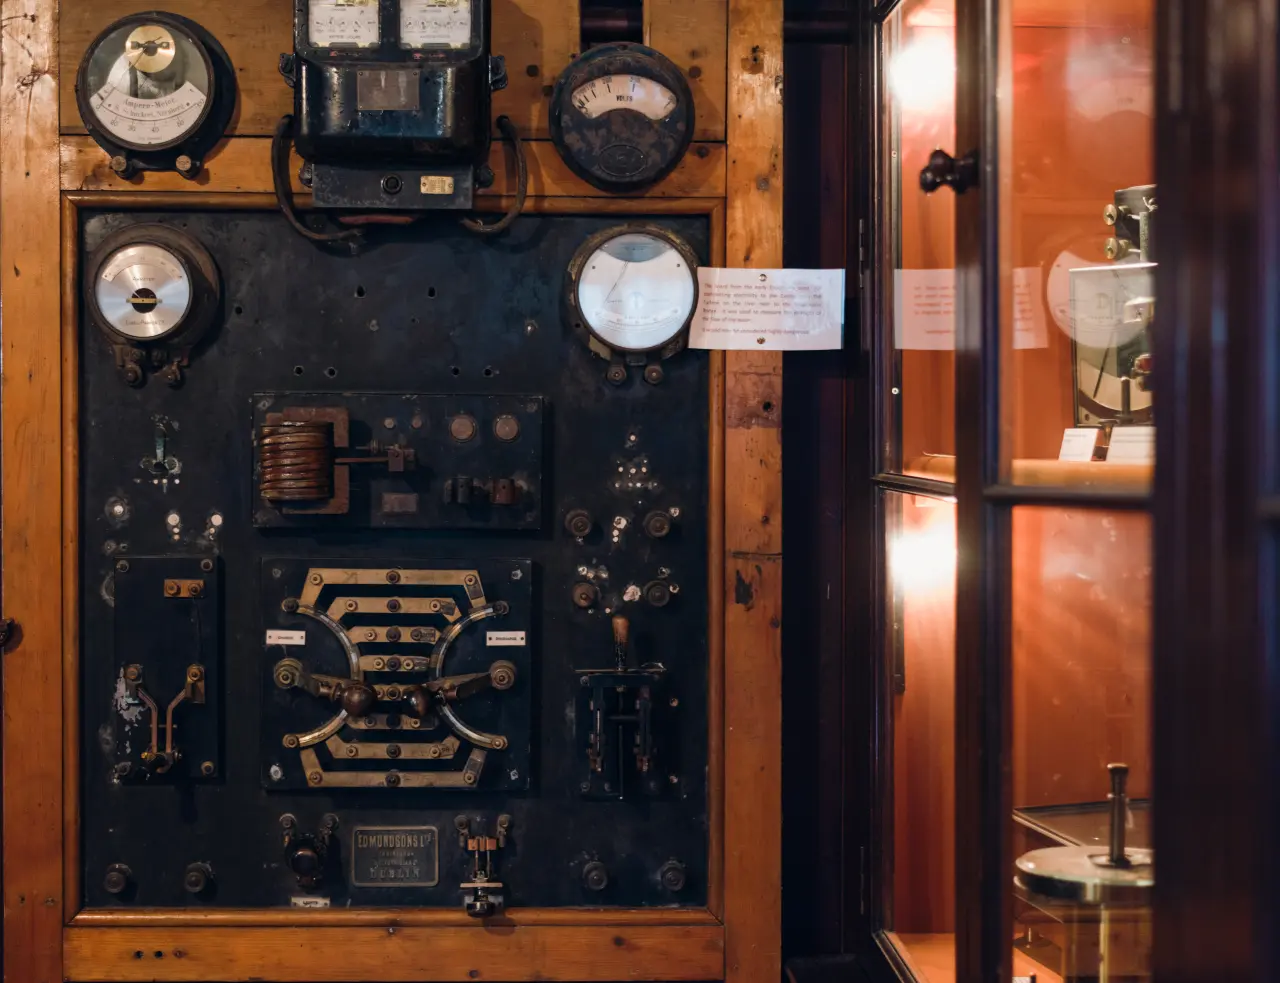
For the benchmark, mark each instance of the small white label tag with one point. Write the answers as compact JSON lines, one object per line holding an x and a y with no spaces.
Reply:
{"x":1132,"y":445}
{"x":504,"y":638}
{"x":1078,"y":444}
{"x":301,"y":901}
{"x":277,"y":637}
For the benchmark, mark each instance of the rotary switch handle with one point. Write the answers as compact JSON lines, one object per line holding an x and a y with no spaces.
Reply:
{"x":958,"y":174}
{"x":1119,"y":812}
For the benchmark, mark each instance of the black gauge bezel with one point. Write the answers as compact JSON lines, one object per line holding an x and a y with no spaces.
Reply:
{"x":206,"y":295}
{"x":620,"y":58}
{"x":573,"y":274}
{"x":200,"y":137}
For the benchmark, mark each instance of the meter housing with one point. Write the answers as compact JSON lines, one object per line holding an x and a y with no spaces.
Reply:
{"x":388,"y":126}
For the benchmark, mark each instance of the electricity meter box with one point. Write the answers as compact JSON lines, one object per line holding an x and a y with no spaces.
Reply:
{"x":392,"y":101}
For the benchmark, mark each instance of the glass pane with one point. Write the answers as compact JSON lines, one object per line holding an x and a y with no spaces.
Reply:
{"x":920,"y":545}
{"x":917,"y":116}
{"x":1076,"y":255}
{"x":1081,"y":719}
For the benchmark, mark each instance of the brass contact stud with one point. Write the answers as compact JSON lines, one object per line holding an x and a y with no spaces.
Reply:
{"x":315,"y":778}
{"x":171,"y":588}
{"x":315,"y":578}
{"x":352,"y":751}
{"x":370,"y":635}
{"x":469,"y":778}
{"x":290,"y":740}
{"x":353,"y":605}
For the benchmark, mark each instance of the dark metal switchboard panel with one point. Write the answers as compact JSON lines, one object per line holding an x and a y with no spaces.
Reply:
{"x":394,"y":575}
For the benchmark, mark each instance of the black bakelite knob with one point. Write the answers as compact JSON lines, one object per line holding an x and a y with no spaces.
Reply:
{"x":595,"y":876}
{"x":197,"y":878}
{"x":117,"y":879}
{"x":672,"y":875}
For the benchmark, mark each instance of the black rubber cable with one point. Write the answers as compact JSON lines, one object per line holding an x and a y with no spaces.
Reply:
{"x":281,"y":143}
{"x":509,"y":133}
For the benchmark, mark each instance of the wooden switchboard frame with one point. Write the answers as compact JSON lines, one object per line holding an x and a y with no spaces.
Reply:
{"x":48,"y":169}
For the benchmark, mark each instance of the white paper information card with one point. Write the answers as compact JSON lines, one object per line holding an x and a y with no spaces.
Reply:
{"x":768,"y":310}
{"x":1132,"y":445}
{"x":1078,"y":444}
{"x":924,"y":309}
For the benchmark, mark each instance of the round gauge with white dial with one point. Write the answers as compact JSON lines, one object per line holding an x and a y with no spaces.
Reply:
{"x":635,"y":92}
{"x":144,"y":291}
{"x":435,"y":23}
{"x":343,"y":23}
{"x":151,"y":287}
{"x":622,"y":116}
{"x":633,"y":290}
{"x":151,"y":92}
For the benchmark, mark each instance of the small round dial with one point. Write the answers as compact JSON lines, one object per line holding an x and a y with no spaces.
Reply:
{"x":152,"y":291}
{"x":143,"y":291}
{"x":633,"y":290}
{"x":151,"y":92}
{"x":622,"y":116}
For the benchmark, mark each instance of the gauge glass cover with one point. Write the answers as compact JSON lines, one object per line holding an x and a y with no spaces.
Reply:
{"x":343,"y":23}
{"x":149,"y":85}
{"x":610,"y":92}
{"x":636,"y":292}
{"x":435,"y":23}
{"x":143,"y":291}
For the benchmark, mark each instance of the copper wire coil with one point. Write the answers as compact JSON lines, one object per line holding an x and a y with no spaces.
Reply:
{"x":295,"y":462}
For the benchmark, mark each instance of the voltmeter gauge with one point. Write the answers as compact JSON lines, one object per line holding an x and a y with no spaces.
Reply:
{"x":435,"y":23}
{"x":153,"y":292}
{"x":622,"y":116}
{"x":631,"y":292}
{"x":343,"y":23}
{"x":156,"y":91}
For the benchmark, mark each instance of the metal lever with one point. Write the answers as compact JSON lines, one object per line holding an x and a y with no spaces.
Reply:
{"x":1119,"y":813}
{"x":943,"y":169}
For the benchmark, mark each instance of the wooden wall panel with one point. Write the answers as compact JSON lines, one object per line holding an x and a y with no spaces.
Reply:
{"x":478,"y":952}
{"x":244,"y":164}
{"x":753,"y":514}
{"x":538,"y":38}
{"x":694,"y":34}
{"x":31,"y":554}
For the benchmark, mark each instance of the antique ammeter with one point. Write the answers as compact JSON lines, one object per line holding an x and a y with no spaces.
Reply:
{"x":622,"y":116}
{"x":631,"y":292}
{"x":391,"y":101}
{"x":153,"y":291}
{"x":156,"y":91}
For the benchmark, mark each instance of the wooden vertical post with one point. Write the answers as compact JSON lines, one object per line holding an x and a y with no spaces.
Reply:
{"x":31,"y":419}
{"x":753,"y":514}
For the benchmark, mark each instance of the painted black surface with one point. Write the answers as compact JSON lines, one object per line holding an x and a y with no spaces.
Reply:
{"x":431,"y":310}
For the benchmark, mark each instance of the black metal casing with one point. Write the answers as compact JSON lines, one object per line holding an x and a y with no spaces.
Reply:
{"x":363,"y":115}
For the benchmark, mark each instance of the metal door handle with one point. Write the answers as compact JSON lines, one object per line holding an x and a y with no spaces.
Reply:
{"x":943,"y":169}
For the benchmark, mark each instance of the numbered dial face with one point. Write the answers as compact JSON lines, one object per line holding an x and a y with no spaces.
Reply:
{"x":149,"y":85}
{"x":143,"y":291}
{"x":343,"y":23}
{"x":622,"y":116}
{"x":613,"y":93}
{"x":435,"y":23}
{"x":636,"y":291}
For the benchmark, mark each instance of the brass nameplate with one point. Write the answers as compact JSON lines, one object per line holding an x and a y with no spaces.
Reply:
{"x":437,"y":184}
{"x":395,"y":856}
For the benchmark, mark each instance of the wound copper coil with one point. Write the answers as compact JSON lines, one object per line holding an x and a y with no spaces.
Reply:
{"x":295,"y":462}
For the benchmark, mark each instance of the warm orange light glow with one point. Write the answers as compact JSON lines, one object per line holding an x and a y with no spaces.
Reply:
{"x":924,"y":559}
{"x":922,"y":75}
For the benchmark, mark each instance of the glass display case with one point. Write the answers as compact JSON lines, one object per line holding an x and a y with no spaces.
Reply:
{"x":1013,"y":312}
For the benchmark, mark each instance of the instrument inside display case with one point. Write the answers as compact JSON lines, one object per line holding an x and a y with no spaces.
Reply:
{"x":1077,"y":258}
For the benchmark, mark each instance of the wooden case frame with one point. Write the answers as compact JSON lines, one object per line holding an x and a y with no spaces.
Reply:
{"x":48,"y":171}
